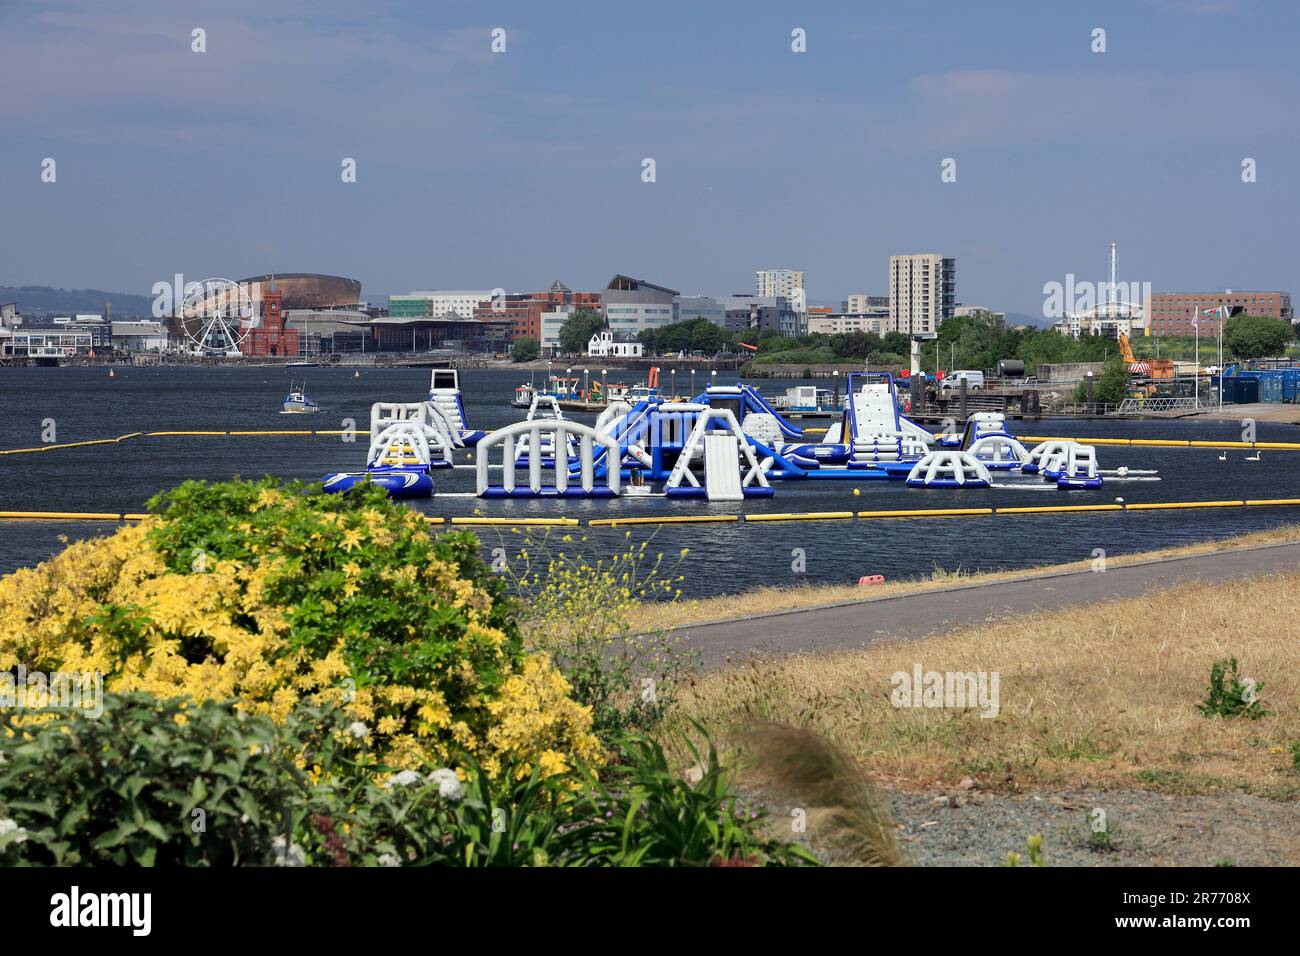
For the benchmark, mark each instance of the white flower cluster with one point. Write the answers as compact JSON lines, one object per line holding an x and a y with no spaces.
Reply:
{"x":448,"y":783}
{"x":11,"y":826}
{"x":403,"y":778}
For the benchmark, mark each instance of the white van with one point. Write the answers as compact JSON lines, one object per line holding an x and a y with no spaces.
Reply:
{"x":974,"y":380}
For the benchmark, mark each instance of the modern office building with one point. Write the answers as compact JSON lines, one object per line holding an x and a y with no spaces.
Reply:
{"x":686,"y":308}
{"x":782,"y":282}
{"x":327,"y":331}
{"x":760,"y":313}
{"x":922,"y":292}
{"x":449,"y":332}
{"x":1171,"y":313}
{"x":550,"y":323}
{"x":437,"y":304}
{"x":633,"y":305}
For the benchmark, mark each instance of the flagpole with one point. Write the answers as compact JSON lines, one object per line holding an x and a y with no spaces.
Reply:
{"x":1196,"y":331}
{"x":1222,"y":319}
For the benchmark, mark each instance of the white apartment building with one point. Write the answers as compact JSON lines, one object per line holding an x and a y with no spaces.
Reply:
{"x":859,"y":303}
{"x":976,"y":310}
{"x":783,"y":282}
{"x":843,"y":323}
{"x":922,"y":292}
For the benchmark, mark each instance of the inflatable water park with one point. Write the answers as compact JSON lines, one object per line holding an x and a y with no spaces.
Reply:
{"x":728,"y":443}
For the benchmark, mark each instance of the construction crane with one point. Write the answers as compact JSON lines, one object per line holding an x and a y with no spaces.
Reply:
{"x":1126,"y":353}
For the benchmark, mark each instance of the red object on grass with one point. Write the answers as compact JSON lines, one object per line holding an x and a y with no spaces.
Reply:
{"x":869,"y":579}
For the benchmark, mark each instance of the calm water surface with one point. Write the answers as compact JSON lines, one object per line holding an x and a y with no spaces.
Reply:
{"x":86,"y":404}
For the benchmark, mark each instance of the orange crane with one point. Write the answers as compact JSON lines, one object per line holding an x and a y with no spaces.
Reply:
{"x":1126,"y":353}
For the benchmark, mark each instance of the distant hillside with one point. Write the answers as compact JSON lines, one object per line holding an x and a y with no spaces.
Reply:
{"x":1022,"y":318}
{"x":41,"y":299}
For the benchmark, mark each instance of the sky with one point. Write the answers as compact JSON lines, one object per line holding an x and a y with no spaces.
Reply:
{"x":478,"y":169}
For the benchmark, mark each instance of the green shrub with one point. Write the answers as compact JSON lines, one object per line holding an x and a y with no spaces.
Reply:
{"x":524,"y":350}
{"x":168,"y":783}
{"x":1229,"y":696}
{"x":1034,"y":846}
{"x":647,"y":815}
{"x":280,"y":595}
{"x":153,"y":783}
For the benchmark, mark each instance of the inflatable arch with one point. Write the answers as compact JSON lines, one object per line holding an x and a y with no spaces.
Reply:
{"x":949,"y":469}
{"x":541,"y":433}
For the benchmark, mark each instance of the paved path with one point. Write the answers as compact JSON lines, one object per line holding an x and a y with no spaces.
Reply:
{"x":917,"y":615}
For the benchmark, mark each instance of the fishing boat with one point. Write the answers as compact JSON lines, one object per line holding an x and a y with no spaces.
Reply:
{"x":524,"y":395}
{"x":297,"y":402}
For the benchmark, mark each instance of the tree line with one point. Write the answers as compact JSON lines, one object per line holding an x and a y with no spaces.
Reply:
{"x":976,"y":341}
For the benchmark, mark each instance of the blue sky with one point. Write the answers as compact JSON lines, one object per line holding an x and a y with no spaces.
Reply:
{"x":478,"y":170}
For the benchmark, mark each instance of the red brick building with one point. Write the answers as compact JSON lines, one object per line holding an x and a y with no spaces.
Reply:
{"x":1171,"y":313}
{"x":524,"y":309}
{"x":271,"y":337}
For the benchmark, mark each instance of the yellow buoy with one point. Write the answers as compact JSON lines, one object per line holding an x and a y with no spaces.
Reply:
{"x":857,"y":492}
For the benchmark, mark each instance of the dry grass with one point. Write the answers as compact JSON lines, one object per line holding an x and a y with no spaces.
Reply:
{"x":846,"y":819}
{"x":769,"y":600}
{"x":1097,"y":695}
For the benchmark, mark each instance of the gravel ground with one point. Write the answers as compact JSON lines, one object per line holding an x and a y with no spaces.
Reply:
{"x":968,"y":827}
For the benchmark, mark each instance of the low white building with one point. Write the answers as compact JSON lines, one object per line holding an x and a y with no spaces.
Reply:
{"x":607,"y":344}
{"x":140,"y":336}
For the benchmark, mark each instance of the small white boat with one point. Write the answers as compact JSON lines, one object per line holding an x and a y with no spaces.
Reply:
{"x":524,"y":396}
{"x":297,"y":402}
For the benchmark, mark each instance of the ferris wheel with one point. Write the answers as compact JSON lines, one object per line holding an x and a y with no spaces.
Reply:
{"x":219,"y":315}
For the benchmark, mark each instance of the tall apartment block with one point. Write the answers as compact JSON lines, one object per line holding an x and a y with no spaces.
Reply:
{"x":783,"y":282}
{"x":922,"y":292}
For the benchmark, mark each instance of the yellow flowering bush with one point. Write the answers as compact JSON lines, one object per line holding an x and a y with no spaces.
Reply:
{"x":275,"y":596}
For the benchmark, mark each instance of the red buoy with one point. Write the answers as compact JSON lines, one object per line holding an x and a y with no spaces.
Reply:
{"x":870,"y":579}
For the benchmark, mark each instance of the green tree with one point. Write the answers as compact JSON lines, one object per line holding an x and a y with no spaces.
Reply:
{"x":1257,"y":336}
{"x":524,"y":350}
{"x":1111,"y":386}
{"x":577,"y":331}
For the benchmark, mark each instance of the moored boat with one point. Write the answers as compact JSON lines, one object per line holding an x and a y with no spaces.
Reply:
{"x":297,"y":402}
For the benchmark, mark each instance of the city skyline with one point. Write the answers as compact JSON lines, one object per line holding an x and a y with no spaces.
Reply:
{"x":477,"y":169}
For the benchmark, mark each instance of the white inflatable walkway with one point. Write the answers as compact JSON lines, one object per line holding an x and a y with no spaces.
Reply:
{"x":721,"y":452}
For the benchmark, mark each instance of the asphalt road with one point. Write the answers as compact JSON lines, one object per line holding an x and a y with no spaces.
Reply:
{"x":917,"y":615}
